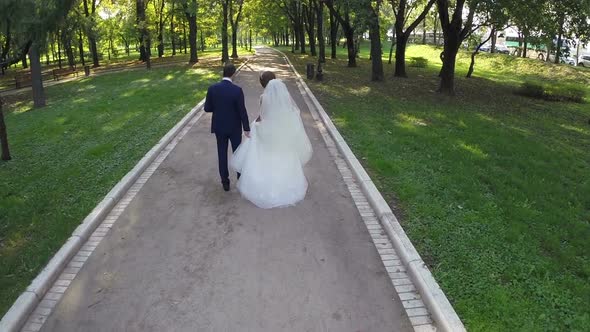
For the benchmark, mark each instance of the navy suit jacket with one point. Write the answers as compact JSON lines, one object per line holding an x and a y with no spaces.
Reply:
{"x":226,"y":101}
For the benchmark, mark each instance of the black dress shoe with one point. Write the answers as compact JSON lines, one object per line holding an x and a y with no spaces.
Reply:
{"x":226,"y":186}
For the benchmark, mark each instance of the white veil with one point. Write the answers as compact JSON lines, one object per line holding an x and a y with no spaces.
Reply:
{"x":281,"y":126}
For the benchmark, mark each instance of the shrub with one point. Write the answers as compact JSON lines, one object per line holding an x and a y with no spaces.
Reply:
{"x":552,"y":91}
{"x":418,"y":62}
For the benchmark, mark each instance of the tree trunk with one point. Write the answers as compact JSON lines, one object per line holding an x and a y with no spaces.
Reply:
{"x":349,"y":33}
{"x":295,"y":37}
{"x":6,"y":47}
{"x":302,"y":36}
{"x":191,"y":17}
{"x":94,"y":51}
{"x":90,"y":33}
{"x":447,"y":73}
{"x":81,"y":48}
{"x":319,"y":8}
{"x":224,"y":36}
{"x":3,"y":135}
{"x":400,"y":55}
{"x":333,"y":35}
{"x":250,"y":39}
{"x":494,"y":39}
{"x":172,"y":33}
{"x":391,"y":49}
{"x":525,"y":46}
{"x":184,"y":36}
{"x":144,"y":37}
{"x":202,"y":40}
{"x":234,"y":41}
{"x":235,"y":22}
{"x":309,"y":14}
{"x":287,"y":36}
{"x":24,"y":61}
{"x":559,"y":40}
{"x":58,"y":49}
{"x":161,"y":30}
{"x":36,"y":78}
{"x":472,"y":64}
{"x":375,"y":35}
{"x":69,"y":53}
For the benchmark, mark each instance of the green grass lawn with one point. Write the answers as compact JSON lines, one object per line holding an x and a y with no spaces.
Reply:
{"x":492,"y":188}
{"x":68,"y":155}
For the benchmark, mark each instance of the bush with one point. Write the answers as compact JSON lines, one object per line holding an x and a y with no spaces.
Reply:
{"x":418,"y":62}
{"x":552,"y":91}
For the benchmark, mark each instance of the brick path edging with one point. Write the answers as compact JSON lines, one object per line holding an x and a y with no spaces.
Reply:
{"x":436,"y":301}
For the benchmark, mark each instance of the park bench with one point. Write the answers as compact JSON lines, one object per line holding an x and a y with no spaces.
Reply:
{"x":57,"y":73}
{"x":23,"y":79}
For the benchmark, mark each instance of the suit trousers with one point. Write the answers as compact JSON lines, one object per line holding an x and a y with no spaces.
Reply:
{"x":223,"y":141}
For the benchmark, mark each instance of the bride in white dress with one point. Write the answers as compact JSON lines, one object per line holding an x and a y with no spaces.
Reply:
{"x":271,"y":161}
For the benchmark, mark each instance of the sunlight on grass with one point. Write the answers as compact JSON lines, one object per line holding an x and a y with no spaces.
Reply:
{"x":584,"y":131}
{"x":412,"y":120}
{"x":473,"y":149}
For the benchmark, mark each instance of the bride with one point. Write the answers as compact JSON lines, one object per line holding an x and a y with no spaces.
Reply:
{"x":271,"y":161}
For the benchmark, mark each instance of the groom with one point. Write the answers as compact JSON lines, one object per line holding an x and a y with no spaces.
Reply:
{"x":226,"y":101}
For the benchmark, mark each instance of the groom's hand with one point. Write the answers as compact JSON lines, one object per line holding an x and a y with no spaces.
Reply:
{"x":247,"y":133}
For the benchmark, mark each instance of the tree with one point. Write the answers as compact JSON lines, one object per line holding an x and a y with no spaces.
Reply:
{"x":159,"y":9}
{"x":294,"y":10}
{"x":454,"y":32}
{"x":235,"y":16}
{"x":190,"y":10}
{"x":89,"y":12}
{"x":224,"y":35}
{"x":334,"y":25}
{"x":402,"y":10}
{"x":493,"y":15}
{"x":310,"y":19}
{"x":344,"y":18}
{"x":3,"y":136}
{"x":375,"y":35}
{"x":38,"y":21}
{"x":319,"y":11}
{"x":144,"y":35}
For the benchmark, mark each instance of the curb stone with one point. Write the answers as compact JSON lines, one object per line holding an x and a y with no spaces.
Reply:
{"x":436,"y":301}
{"x":19,"y":312}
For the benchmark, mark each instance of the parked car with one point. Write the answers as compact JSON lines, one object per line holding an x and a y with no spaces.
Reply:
{"x":584,"y":61}
{"x":569,"y":60}
{"x":484,"y":48}
{"x":502,"y":49}
{"x":499,"y":49}
{"x":562,"y":59}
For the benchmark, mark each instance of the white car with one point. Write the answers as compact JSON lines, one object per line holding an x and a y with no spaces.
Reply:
{"x":502,"y":49}
{"x":584,"y":61}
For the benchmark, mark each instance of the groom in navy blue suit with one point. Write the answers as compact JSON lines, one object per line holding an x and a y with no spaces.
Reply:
{"x":226,"y":101}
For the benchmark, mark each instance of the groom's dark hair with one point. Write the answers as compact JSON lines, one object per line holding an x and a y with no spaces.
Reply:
{"x":229,"y":70}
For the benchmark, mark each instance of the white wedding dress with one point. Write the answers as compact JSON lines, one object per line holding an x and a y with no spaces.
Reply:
{"x":271,"y":161}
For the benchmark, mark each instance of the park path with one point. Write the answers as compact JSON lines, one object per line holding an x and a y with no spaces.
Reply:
{"x":187,"y":256}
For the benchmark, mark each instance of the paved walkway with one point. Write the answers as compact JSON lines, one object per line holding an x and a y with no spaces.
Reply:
{"x":187,"y":256}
